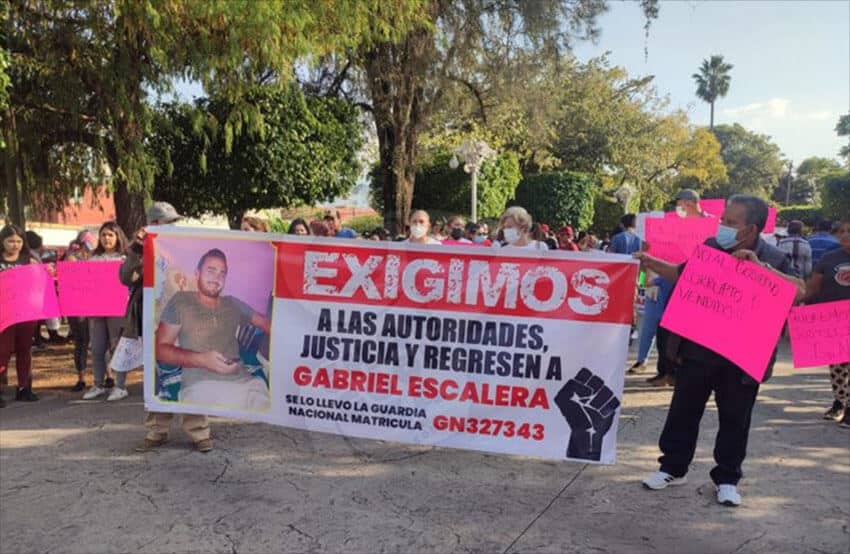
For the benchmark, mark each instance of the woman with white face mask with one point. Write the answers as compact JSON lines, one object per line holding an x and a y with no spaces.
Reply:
{"x":420,"y":226}
{"x":515,"y":226}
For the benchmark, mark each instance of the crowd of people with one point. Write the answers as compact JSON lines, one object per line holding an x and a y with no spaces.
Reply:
{"x":819,"y":266}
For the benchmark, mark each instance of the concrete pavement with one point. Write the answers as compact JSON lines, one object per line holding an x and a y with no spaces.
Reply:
{"x":71,"y":482}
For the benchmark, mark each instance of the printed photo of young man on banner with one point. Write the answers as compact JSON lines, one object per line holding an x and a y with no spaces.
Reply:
{"x":212,"y":322}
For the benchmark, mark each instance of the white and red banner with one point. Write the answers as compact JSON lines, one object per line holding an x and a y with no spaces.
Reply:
{"x":500,"y":350}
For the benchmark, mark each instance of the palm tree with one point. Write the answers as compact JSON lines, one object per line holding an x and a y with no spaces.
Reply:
{"x":713,"y":81}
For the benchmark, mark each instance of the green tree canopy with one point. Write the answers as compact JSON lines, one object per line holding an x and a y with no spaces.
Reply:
{"x":305,"y":152}
{"x":843,"y":130}
{"x":467,"y":45}
{"x":83,"y":72}
{"x":836,"y":196}
{"x":753,"y":162}
{"x":807,"y":184}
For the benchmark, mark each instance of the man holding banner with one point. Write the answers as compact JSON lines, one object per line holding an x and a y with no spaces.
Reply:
{"x":132,"y":275}
{"x":704,"y":371}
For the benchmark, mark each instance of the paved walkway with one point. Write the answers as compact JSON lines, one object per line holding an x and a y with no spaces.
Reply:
{"x":70,"y":482}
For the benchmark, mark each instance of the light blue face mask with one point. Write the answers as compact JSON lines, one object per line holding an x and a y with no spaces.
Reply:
{"x":726,"y":237}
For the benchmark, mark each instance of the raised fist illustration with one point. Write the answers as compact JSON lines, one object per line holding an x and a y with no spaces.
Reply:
{"x":589,"y":406}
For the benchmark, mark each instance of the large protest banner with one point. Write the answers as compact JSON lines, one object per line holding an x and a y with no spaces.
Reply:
{"x":820,"y":334}
{"x":733,"y":307}
{"x":497,"y":350}
{"x":27,"y":293}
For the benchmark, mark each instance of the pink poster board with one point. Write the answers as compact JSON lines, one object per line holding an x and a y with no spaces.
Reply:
{"x":715,"y":207}
{"x":672,"y":239}
{"x":91,"y":288}
{"x":732,"y":307}
{"x":27,"y":293}
{"x":820,"y":334}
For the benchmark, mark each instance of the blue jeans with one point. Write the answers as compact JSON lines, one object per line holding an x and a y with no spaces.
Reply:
{"x":652,"y":312}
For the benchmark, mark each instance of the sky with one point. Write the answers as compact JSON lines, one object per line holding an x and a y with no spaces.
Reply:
{"x":791,"y":75}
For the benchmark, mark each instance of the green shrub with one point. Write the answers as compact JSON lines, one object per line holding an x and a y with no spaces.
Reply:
{"x":836,"y":196}
{"x":278,"y":225}
{"x":564,"y":198}
{"x":440,"y":189}
{"x":809,"y":215}
{"x":607,"y":213}
{"x":365,"y":223}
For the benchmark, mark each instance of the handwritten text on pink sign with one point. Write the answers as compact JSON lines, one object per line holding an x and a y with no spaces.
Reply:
{"x":91,"y":288}
{"x":820,"y":334}
{"x":673,"y":239}
{"x":732,"y":307}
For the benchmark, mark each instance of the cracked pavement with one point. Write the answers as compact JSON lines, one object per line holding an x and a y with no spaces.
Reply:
{"x":71,"y":482}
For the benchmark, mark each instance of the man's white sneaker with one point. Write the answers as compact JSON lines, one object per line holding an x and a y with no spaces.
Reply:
{"x":661,"y":480}
{"x":728,"y":495}
{"x":93,"y":393}
{"x":117,"y":394}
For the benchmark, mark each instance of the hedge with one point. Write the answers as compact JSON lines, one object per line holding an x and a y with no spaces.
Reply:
{"x":809,"y":215}
{"x":558,"y":198}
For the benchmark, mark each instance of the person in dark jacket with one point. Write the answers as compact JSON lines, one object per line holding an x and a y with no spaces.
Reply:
{"x":703,"y":371}
{"x":131,"y":274}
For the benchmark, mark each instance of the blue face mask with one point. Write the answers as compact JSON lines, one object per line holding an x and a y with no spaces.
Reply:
{"x":478,"y":239}
{"x":726,"y":237}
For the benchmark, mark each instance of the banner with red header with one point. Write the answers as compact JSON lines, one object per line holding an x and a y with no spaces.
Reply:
{"x":499,"y":350}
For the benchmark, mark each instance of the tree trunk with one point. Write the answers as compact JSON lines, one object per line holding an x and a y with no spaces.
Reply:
{"x":711,"y":121}
{"x":129,"y":207}
{"x":396,"y":75}
{"x":234,"y":218}
{"x":12,"y":173}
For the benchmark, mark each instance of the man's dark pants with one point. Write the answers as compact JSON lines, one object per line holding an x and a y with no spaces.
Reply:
{"x":734,"y":398}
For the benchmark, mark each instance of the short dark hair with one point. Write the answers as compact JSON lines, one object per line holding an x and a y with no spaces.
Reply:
{"x":34,"y":240}
{"x":214,"y":253}
{"x":628,"y":220}
{"x":755,"y":208}
{"x":795,"y":227}
{"x":824,"y":226}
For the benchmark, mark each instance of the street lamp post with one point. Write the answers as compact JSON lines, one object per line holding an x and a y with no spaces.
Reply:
{"x":473,"y":153}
